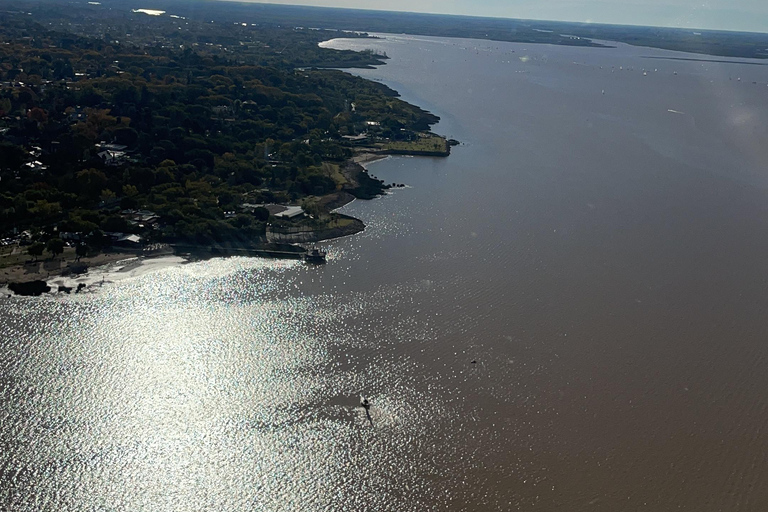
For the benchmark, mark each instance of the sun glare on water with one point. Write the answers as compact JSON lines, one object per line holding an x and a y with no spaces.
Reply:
{"x":151,"y":12}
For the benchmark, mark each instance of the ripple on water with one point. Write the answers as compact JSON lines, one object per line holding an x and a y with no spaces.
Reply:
{"x":208,"y":386}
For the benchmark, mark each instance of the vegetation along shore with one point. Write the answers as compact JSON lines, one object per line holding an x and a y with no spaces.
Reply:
{"x":182,"y":134}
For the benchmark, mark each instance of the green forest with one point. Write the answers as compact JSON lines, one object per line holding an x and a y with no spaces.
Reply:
{"x":164,"y":127}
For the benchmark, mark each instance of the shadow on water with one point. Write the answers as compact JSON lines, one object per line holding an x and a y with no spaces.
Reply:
{"x":365,"y":404}
{"x":368,"y":414}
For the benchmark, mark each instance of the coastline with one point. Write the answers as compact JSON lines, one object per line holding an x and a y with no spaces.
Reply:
{"x":368,"y":157}
{"x":45,"y":269}
{"x":66,"y":271}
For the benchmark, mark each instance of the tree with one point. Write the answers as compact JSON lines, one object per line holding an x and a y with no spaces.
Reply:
{"x":129,"y":203}
{"x":106,"y":195}
{"x":55,"y":246}
{"x":130,"y":190}
{"x":5,"y":105}
{"x":38,"y":115}
{"x":261,"y":214}
{"x":125,"y":135}
{"x":12,"y":156}
{"x":36,"y":250}
{"x":116,"y":223}
{"x":81,"y":250}
{"x":91,"y":181}
{"x":96,"y":240}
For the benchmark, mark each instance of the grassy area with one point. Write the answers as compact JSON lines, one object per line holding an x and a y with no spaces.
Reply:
{"x":424,"y":144}
{"x":323,"y":219}
{"x":334,"y":172}
{"x":340,"y":222}
{"x":12,"y":255}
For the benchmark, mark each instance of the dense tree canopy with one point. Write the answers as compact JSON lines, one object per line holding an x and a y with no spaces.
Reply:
{"x":188,"y":124}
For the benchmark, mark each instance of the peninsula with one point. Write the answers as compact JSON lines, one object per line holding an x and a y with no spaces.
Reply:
{"x":124,"y":132}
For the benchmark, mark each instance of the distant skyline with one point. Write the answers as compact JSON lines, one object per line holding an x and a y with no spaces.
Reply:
{"x":739,"y":15}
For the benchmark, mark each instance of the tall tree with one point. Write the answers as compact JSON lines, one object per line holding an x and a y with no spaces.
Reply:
{"x":36,"y":250}
{"x":55,"y":246}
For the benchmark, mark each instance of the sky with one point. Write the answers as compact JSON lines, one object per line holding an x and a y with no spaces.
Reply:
{"x":740,"y":15}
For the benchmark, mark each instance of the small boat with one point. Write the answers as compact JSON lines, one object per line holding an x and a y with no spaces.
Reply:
{"x":315,"y":256}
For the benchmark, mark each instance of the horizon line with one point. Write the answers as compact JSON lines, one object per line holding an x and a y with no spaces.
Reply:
{"x":490,"y":17}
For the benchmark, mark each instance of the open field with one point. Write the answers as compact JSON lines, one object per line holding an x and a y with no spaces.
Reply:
{"x":424,"y":145}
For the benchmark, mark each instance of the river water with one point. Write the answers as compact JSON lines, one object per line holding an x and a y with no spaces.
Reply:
{"x":567,"y":314}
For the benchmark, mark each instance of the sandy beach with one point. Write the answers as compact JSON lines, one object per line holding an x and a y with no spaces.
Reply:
{"x":102,"y":269}
{"x":27,"y":268}
{"x":367,"y":158}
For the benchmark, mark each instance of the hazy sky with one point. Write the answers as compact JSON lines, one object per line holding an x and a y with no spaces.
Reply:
{"x":747,"y":15}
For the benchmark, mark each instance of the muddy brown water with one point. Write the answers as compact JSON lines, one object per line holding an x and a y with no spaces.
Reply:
{"x":568,"y":314}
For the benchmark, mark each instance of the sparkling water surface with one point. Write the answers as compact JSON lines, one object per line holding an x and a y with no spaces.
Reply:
{"x":569,"y":313}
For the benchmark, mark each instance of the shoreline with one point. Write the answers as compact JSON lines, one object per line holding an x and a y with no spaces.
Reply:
{"x":65,"y":274}
{"x":368,"y":157}
{"x":96,"y":277}
{"x":63,"y":266}
{"x":66,"y":271}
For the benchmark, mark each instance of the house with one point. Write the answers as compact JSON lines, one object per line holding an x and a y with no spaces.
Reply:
{"x":128,"y":241}
{"x":221,"y":110}
{"x":125,"y":240}
{"x":111,"y":147}
{"x":68,"y":236}
{"x":291,"y":212}
{"x":142,"y":218}
{"x":35,"y":166}
{"x":277,"y":210}
{"x":356,"y":139}
{"x":112,"y":157}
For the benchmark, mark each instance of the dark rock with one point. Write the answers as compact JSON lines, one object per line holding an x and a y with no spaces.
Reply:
{"x":30,"y":288}
{"x":361,"y":185}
